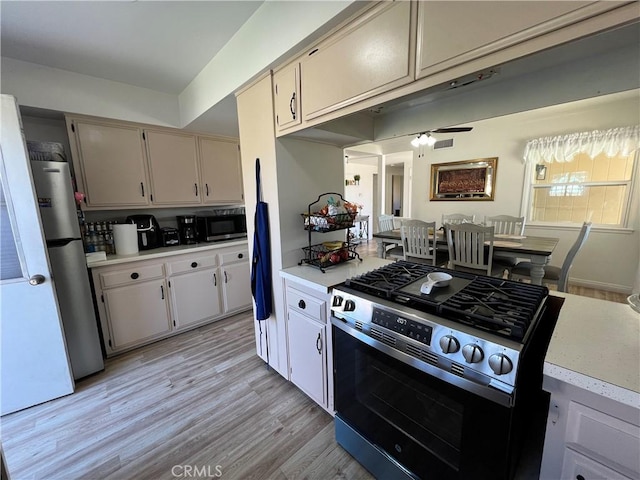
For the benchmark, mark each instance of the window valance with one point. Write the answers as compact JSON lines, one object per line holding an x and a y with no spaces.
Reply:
{"x":563,"y":148}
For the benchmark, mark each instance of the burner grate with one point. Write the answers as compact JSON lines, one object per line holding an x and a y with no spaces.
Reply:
{"x":502,"y":307}
{"x":383,"y":281}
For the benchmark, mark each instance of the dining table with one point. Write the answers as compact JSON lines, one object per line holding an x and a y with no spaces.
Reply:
{"x":537,"y":250}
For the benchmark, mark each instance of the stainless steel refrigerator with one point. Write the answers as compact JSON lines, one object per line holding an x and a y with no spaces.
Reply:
{"x":55,"y":194}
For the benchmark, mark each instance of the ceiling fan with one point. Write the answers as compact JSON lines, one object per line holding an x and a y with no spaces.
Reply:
{"x":425,"y":138}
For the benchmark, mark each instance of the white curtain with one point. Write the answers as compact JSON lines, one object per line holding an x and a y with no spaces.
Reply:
{"x":563,"y":148}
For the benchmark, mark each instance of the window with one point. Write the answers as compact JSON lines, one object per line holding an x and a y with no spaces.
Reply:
{"x":581,"y":177}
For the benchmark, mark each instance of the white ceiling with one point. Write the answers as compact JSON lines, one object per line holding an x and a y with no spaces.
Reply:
{"x":160,"y":45}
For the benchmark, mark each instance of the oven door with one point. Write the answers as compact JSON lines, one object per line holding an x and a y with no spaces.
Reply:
{"x":433,"y":429}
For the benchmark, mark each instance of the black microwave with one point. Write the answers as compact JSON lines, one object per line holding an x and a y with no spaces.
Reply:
{"x":213,"y":228}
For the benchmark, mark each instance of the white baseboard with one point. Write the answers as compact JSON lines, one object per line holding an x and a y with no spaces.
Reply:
{"x":609,"y":287}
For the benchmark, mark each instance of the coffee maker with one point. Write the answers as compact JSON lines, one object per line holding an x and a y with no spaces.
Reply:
{"x":187,"y":229}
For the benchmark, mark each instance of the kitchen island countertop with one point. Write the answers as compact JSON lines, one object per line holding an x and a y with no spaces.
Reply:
{"x":165,"y":252}
{"x":596,"y":346}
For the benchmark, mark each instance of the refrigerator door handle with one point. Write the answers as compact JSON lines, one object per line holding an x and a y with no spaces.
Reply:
{"x":36,"y":280}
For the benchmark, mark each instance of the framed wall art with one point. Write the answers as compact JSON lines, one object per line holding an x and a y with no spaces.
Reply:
{"x":465,"y":180}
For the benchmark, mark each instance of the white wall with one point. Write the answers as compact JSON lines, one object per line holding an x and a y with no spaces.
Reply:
{"x":362,"y":193}
{"x":44,"y":87}
{"x":609,"y":259}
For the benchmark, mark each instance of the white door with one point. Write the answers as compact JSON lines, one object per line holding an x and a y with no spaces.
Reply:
{"x":34,"y":363}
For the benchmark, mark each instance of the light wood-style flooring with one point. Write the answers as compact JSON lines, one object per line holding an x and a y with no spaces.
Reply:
{"x":201,"y":400}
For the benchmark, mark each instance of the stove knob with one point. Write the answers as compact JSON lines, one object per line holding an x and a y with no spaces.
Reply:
{"x":472,"y":353}
{"x":449,"y":344}
{"x":337,"y":301}
{"x":349,"y":306}
{"x":500,"y":364}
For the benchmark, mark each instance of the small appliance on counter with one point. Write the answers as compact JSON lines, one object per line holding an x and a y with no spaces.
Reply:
{"x":170,"y":236}
{"x":187,"y":229}
{"x":212,"y":228}
{"x":148,"y":231}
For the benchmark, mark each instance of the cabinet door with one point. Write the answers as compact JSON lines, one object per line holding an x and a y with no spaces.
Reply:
{"x":286,"y":94}
{"x":474,"y":29}
{"x":137,"y":313}
{"x":195,"y":297}
{"x":221,"y":171}
{"x":369,"y":56}
{"x":236,"y":286}
{"x":579,"y":466}
{"x":173,"y":168}
{"x":112,"y":164}
{"x":307,"y":356}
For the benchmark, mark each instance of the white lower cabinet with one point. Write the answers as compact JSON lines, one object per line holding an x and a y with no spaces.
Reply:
{"x":309,"y":343}
{"x":307,"y":356}
{"x":143,"y":301}
{"x":236,"y":286}
{"x":589,"y":436}
{"x":137,"y":313}
{"x":195,"y":297}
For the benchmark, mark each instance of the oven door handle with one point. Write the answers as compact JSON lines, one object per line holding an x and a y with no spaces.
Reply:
{"x":489,"y":392}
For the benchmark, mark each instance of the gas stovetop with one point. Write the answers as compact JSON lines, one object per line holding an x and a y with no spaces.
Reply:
{"x":502,"y":307}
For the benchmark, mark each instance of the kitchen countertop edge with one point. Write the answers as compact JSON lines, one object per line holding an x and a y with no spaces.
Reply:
{"x":164,"y":252}
{"x":313,"y":278}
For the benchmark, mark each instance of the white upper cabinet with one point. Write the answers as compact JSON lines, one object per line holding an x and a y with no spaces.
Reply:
{"x":221,"y":171}
{"x":453,"y":33}
{"x":109,"y":163}
{"x":173,"y":165}
{"x":371,"y":55}
{"x":286,"y":95}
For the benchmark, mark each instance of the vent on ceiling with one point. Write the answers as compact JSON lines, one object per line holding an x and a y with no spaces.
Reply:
{"x":443,"y":143}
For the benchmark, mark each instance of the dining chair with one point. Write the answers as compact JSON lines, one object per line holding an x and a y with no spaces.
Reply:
{"x":385,"y":223}
{"x":457,"y":218}
{"x":471,"y":249}
{"x":553,"y":275}
{"x":505,"y":225}
{"x":418,"y":247}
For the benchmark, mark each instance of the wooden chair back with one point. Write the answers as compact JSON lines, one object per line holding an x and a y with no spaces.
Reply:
{"x":506,"y":224}
{"x":470,"y":247}
{"x":416,"y":241}
{"x":457,"y":218}
{"x":385,"y":223}
{"x":563,"y":278}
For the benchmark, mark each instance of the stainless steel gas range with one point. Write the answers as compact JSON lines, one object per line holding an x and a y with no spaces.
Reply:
{"x":438,"y":385}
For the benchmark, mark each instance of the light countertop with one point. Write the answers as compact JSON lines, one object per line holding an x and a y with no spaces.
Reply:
{"x":312,"y":277}
{"x":165,"y":252}
{"x":596,"y":346}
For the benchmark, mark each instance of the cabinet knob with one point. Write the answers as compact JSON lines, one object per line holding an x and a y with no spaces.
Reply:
{"x":194,"y":264}
{"x":241,"y":255}
{"x":302,"y":305}
{"x":135,"y":275}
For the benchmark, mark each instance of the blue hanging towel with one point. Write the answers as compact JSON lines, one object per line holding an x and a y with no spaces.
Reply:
{"x":261,"y":286}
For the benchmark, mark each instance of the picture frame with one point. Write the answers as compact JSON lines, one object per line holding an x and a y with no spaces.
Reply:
{"x":465,"y":180}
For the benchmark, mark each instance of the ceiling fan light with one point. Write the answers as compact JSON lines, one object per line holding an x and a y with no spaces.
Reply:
{"x":423,"y":139}
{"x":416,"y":142}
{"x":430,"y":141}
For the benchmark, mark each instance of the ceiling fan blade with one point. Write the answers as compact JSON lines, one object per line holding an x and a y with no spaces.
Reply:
{"x":452,"y":130}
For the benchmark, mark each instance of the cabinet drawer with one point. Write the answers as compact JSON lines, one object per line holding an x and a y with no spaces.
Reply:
{"x":613,"y":439}
{"x":133,"y":274}
{"x":306,"y":304}
{"x":192,"y":262}
{"x":232,"y":257}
